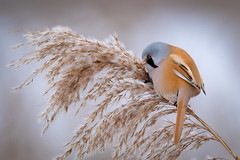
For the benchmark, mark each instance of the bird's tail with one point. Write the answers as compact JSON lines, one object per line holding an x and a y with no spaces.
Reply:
{"x":181,"y":110}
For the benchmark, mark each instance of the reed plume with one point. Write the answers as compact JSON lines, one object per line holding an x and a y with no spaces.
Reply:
{"x":128,"y":114}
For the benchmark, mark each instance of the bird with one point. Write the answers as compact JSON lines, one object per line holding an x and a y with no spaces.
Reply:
{"x":175,"y":77}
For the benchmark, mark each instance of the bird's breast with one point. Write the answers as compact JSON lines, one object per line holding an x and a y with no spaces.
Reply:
{"x":165,"y":82}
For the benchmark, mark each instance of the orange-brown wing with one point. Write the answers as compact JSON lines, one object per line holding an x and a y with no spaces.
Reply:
{"x":183,"y":71}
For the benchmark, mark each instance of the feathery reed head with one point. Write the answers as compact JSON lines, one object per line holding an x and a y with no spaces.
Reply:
{"x":112,"y":76}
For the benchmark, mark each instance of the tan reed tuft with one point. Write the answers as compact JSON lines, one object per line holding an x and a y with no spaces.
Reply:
{"x":112,"y":76}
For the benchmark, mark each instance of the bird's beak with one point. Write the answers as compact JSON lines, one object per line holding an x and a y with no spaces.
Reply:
{"x":144,"y":61}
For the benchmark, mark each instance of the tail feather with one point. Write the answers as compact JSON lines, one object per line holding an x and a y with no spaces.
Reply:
{"x":181,"y":110}
{"x":182,"y":103}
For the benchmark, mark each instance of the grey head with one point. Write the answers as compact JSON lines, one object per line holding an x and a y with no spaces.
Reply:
{"x":155,"y":53}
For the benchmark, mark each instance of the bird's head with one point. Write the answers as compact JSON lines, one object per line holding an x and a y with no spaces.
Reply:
{"x":154,"y":53}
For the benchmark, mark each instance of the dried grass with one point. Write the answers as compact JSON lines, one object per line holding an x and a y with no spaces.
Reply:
{"x":109,"y":74}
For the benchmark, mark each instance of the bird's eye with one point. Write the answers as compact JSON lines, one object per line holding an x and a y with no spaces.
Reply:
{"x":149,"y":56}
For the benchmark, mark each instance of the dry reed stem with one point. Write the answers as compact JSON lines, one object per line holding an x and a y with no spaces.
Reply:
{"x":224,"y":144}
{"x":110,"y":76}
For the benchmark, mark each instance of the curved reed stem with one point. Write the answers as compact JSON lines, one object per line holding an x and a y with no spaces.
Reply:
{"x":214,"y":133}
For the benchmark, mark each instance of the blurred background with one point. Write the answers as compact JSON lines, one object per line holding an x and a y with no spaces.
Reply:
{"x":208,"y":30}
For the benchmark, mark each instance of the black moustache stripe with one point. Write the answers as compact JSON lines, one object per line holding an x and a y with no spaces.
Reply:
{"x":151,"y":62}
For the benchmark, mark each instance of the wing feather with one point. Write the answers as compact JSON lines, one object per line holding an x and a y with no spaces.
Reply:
{"x":183,"y":71}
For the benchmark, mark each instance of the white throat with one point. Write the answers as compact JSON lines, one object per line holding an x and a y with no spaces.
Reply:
{"x":149,"y":68}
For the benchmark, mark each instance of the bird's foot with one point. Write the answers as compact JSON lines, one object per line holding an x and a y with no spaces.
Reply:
{"x":149,"y":79}
{"x":146,"y":81}
{"x":175,"y":104}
